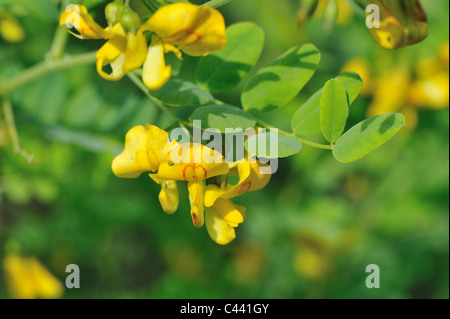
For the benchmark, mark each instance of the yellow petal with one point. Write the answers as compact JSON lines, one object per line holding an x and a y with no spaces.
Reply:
{"x":258,"y":181}
{"x":159,"y":144}
{"x":196,"y":199}
{"x":218,"y":228}
{"x":133,"y":161}
{"x":113,"y":53}
{"x":145,"y":149}
{"x":229,"y":212}
{"x":402,"y":23}
{"x":169,"y":196}
{"x":26,"y":278}
{"x":189,"y":164}
{"x":390,"y":35}
{"x":250,"y":179}
{"x":47,"y":285}
{"x":18,"y":280}
{"x":197,"y":30}
{"x":78,"y":16}
{"x":171,"y":48}
{"x":156,"y":73}
{"x":213,"y":192}
{"x":136,"y":51}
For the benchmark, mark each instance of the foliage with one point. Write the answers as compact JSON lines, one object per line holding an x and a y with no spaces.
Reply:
{"x":309,"y":234}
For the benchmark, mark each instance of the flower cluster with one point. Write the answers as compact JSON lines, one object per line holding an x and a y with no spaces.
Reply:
{"x":426,"y":86}
{"x":195,"y":30}
{"x":149,"y":149}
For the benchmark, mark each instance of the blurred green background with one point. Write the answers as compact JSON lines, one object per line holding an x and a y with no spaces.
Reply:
{"x":309,"y":234}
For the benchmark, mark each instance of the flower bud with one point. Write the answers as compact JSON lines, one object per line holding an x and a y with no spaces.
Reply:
{"x":169,"y":197}
{"x":130,"y":20}
{"x":330,"y":16}
{"x":113,"y":13}
{"x":307,"y":9}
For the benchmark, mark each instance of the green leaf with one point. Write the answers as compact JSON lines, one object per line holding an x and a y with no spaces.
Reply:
{"x":306,"y":120}
{"x":367,"y":136}
{"x":277,"y":83}
{"x":265,"y":144}
{"x":225,"y":69}
{"x":333,"y":110}
{"x":222,"y":116}
{"x":352,"y":83}
{"x":181,"y":93}
{"x":82,"y":108}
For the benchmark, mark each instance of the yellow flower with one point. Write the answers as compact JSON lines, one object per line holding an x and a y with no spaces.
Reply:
{"x":145,"y":149}
{"x":250,"y":179}
{"x":222,"y":216}
{"x":196,"y":30}
{"x":26,"y":278}
{"x":10,"y":30}
{"x":169,"y":195}
{"x":402,"y":23}
{"x":195,"y":163}
{"x":156,"y":73}
{"x":82,"y":21}
{"x":221,"y":220}
{"x":125,"y":50}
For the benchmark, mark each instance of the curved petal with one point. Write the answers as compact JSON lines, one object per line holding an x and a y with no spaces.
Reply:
{"x":196,"y":199}
{"x":169,"y":197}
{"x":136,"y":51}
{"x":156,"y":73}
{"x":229,"y":212}
{"x":258,"y":181}
{"x":218,"y":228}
{"x":133,"y":161}
{"x":197,"y":30}
{"x":113,"y":53}
{"x":250,"y":179}
{"x":77,"y":16}
{"x":145,"y":149}
{"x":188,"y":163}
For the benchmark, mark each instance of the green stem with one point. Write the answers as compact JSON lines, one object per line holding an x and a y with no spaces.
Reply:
{"x":135,"y":79}
{"x":60,"y":38}
{"x":12,"y":130}
{"x":59,"y":43}
{"x":43,"y":68}
{"x":315,"y":145}
{"x":216,"y":3}
{"x":305,"y":142}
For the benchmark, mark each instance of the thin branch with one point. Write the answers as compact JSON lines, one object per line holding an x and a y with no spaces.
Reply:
{"x":37,"y":71}
{"x":12,"y":131}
